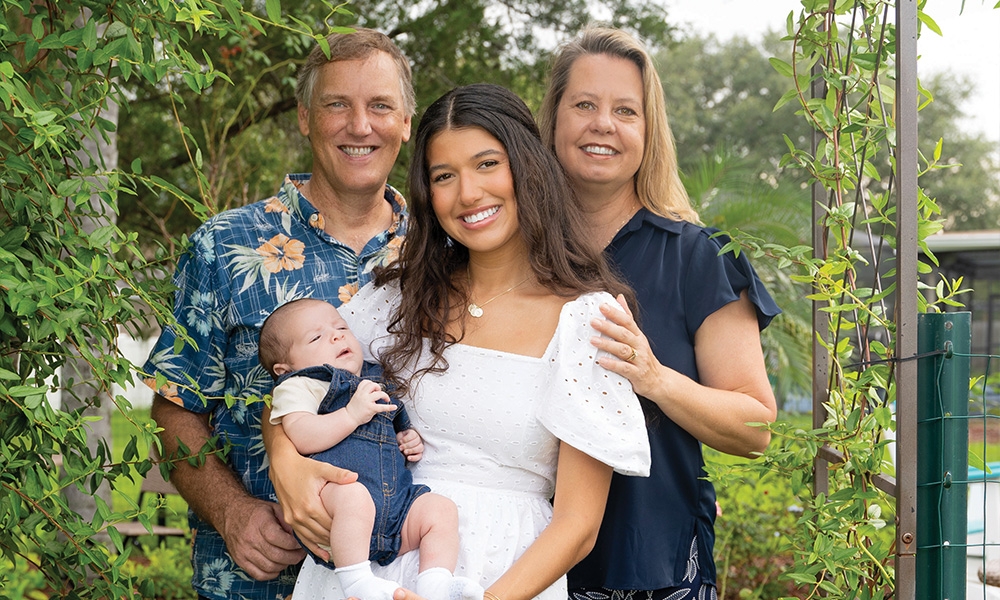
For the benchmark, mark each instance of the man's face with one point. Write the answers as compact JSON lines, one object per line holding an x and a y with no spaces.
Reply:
{"x":356,"y":123}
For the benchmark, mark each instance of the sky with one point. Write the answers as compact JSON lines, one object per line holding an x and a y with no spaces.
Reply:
{"x":969,"y":44}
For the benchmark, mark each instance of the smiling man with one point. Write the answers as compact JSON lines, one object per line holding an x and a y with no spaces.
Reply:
{"x":319,"y":236}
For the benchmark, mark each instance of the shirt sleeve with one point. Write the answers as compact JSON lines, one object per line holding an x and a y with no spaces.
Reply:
{"x":587,"y":406}
{"x":713,"y":280}
{"x":297,"y":394}
{"x":193,"y":366}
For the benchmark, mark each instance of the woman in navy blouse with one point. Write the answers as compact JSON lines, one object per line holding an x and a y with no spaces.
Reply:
{"x":696,"y":360}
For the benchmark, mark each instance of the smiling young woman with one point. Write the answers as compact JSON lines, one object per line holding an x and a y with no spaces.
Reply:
{"x":483,"y":326}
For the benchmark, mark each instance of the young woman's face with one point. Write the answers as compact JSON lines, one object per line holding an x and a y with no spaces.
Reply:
{"x":600,"y":123}
{"x":472,"y":189}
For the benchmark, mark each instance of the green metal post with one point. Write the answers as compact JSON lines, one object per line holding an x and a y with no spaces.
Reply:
{"x":942,"y":454}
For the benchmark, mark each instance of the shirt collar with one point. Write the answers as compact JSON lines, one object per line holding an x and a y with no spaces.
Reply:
{"x":291,"y":200}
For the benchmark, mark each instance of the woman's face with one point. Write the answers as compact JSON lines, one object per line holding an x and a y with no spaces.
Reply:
{"x":600,"y":124}
{"x":472,"y":189}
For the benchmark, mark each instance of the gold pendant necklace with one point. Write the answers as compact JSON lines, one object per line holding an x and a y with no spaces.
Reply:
{"x":476,"y":310}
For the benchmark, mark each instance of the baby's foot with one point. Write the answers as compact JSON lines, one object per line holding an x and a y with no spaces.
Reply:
{"x":358,"y":581}
{"x":463,"y":588}
{"x":438,"y":583}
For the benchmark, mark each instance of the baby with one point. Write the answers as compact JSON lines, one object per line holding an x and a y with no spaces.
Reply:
{"x":332,"y":407}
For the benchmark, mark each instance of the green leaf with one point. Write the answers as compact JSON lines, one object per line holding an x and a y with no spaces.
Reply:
{"x":30,"y":49}
{"x":785,"y":99}
{"x":929,"y":22}
{"x":43,"y":117}
{"x":84,"y":59}
{"x":90,"y":34}
{"x":13,"y":238}
{"x":52,"y":42}
{"x":38,"y":27}
{"x":115,"y":30}
{"x":781,"y":66}
{"x":273,"y":8}
{"x":866,"y":60}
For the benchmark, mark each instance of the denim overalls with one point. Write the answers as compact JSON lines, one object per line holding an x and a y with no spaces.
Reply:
{"x":373,"y":453}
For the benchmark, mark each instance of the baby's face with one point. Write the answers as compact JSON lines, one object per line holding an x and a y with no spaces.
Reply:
{"x":320,"y":336}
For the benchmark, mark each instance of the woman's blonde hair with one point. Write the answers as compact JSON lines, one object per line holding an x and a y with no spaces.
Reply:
{"x":657,"y":182}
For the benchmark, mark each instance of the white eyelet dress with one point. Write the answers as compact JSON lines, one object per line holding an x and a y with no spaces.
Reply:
{"x":491,"y":426}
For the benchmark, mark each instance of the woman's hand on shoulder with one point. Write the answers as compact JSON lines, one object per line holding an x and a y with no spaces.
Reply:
{"x":629,"y":350}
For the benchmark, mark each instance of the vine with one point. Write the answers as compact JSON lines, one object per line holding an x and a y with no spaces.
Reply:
{"x":70,"y":279}
{"x":843,"y":544}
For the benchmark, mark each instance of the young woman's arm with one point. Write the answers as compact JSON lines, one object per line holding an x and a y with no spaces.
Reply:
{"x":582,"y":484}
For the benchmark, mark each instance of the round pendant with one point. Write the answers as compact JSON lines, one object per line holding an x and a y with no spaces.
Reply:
{"x":475,"y":310}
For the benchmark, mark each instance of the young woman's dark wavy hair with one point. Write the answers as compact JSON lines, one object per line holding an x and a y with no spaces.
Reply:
{"x":431,"y":270}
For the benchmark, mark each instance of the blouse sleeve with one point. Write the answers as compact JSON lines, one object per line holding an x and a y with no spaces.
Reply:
{"x":587,"y":406}
{"x":367,"y":314}
{"x":713,"y":280}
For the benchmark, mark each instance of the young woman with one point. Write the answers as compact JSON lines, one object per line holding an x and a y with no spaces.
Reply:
{"x":484,"y":324}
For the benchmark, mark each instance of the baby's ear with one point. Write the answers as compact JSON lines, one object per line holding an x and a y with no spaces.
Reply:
{"x":281,"y":368}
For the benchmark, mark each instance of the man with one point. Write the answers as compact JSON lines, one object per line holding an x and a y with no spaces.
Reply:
{"x":320,"y":236}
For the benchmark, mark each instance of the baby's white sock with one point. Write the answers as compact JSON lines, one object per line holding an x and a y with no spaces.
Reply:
{"x":438,"y":583}
{"x":358,"y":581}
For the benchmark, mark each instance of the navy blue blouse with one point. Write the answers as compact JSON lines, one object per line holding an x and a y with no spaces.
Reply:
{"x":649,"y":524}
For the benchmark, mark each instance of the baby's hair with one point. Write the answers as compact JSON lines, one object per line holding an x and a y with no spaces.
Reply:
{"x":273,"y":345}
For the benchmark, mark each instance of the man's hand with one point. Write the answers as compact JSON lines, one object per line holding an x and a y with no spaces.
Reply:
{"x":259,"y":540}
{"x":410,"y":444}
{"x":298,"y":481}
{"x":255,"y":535}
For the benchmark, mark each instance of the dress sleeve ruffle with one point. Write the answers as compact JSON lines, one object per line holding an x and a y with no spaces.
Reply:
{"x":587,"y":406}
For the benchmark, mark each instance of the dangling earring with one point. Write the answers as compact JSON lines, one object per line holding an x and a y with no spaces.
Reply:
{"x":448,"y":242}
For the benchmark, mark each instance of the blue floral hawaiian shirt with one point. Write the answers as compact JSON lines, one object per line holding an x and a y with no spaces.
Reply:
{"x":241,"y":265}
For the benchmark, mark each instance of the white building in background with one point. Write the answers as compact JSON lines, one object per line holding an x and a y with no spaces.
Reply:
{"x":139,"y":395}
{"x":136,"y":350}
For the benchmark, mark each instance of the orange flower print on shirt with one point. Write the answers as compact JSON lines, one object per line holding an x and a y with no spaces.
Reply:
{"x":392,"y":250}
{"x":346,"y":292}
{"x":167,"y":390}
{"x":282,"y":253}
{"x":274,"y":205}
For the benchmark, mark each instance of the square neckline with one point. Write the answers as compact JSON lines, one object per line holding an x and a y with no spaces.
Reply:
{"x":549,"y":348}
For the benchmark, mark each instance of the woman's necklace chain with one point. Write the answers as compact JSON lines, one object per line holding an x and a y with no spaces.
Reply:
{"x":476,"y":310}
{"x":629,"y":212}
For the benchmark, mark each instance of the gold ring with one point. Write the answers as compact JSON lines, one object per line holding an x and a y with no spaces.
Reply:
{"x":631,"y":356}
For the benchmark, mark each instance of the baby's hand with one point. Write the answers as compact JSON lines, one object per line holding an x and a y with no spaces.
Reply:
{"x":410,"y":444}
{"x":365,"y":403}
